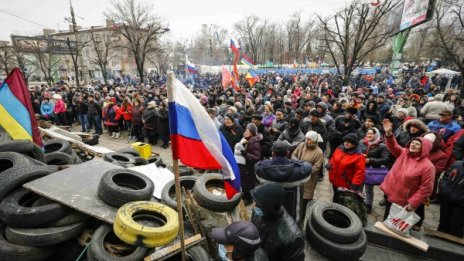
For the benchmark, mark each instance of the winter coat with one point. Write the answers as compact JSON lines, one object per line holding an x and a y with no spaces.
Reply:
{"x":446,"y":130}
{"x":281,"y":237}
{"x":431,"y":110}
{"x":232,"y":134}
{"x":377,"y":153}
{"x":411,"y":178}
{"x":268,"y":119}
{"x":344,"y":126}
{"x":280,"y":169}
{"x":402,"y":134}
{"x":112,"y":114}
{"x":137,"y":112}
{"x":162,"y":122}
{"x":46,"y":108}
{"x":383,"y":109}
{"x":60,"y":107}
{"x":126,"y":111}
{"x":318,"y":127}
{"x":280,"y":125}
{"x":149,"y":118}
{"x":314,"y":156}
{"x":94,"y":108}
{"x":347,"y":169}
{"x":292,"y":137}
{"x":83,"y":107}
{"x":252,"y":155}
{"x":266,"y":141}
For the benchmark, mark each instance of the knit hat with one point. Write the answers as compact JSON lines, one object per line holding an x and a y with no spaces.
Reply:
{"x":314,"y":136}
{"x":233,"y":109}
{"x":403,"y":110}
{"x":351,"y":138}
{"x":257,"y":116}
{"x":113,"y":100}
{"x":252,"y":128}
{"x":430,"y":136}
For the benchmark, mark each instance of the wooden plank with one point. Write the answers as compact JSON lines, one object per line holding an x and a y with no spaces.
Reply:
{"x":430,"y":232}
{"x":165,"y":251}
{"x":76,"y":187}
{"x":409,"y":240}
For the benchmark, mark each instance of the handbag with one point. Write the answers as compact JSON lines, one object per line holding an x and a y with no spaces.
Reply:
{"x":451,"y":186}
{"x":375,"y":176}
{"x":400,"y":220}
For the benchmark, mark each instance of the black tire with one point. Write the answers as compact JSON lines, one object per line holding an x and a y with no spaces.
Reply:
{"x":9,"y":251}
{"x":97,"y":251}
{"x":57,"y":146}
{"x":18,"y":175}
{"x":25,"y":147}
{"x":10,"y":160}
{"x":208,"y":200}
{"x":185,"y":171}
{"x":119,"y":157}
{"x":16,"y":210}
{"x":168,"y":195}
{"x":120,"y":186}
{"x":58,"y":158}
{"x":75,"y":158}
{"x":333,"y":250}
{"x":72,"y":218}
{"x":157,"y":160}
{"x":129,"y":151}
{"x":336,"y":222}
{"x":38,"y":237}
{"x":68,"y":251}
{"x":139,"y":161}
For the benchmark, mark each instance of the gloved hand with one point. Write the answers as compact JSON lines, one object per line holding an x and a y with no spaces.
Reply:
{"x":243,"y":153}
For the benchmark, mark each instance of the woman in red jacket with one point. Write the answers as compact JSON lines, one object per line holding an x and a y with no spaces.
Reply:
{"x":410,"y":180}
{"x":112,"y":114}
{"x":126,"y":111}
{"x":347,"y":165}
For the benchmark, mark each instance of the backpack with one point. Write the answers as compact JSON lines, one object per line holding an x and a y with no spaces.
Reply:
{"x":451,"y":186}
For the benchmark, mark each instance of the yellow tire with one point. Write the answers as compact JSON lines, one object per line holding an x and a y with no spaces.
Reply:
{"x":131,"y":232}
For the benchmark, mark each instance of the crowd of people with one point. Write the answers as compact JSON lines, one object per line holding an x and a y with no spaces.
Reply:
{"x":408,"y":127}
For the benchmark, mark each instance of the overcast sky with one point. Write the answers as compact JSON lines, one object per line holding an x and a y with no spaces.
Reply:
{"x":183,"y":17}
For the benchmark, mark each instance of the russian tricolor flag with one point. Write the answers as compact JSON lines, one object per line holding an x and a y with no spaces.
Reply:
{"x":16,"y":113}
{"x":191,"y":68}
{"x":196,"y":141}
{"x":235,"y":47}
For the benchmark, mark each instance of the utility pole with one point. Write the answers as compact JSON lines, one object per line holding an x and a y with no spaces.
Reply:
{"x":85,"y":76}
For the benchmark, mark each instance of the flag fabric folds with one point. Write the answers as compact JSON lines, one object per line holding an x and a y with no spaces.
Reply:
{"x":226,"y":77}
{"x":235,"y":47}
{"x":246,"y":60}
{"x":235,"y":74}
{"x":190,"y":67}
{"x":252,"y":77}
{"x":196,"y":141}
{"x":16,"y":113}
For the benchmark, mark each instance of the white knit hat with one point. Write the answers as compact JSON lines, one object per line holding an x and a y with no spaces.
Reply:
{"x":314,"y":136}
{"x":430,"y":136}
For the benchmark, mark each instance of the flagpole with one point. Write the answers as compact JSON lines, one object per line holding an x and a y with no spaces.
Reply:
{"x":175,"y":165}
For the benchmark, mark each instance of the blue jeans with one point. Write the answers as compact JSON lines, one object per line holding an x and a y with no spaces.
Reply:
{"x":96,"y":121}
{"x":84,"y":118}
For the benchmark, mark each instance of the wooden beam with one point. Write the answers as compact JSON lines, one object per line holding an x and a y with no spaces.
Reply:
{"x":409,"y":240}
{"x":430,"y":232}
{"x":172,"y":249}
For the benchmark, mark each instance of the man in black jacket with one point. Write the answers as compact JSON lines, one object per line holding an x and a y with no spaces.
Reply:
{"x":266,"y":141}
{"x":281,"y":237}
{"x":94,"y":112}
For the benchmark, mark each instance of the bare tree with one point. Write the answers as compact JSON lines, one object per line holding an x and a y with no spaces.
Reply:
{"x":353,"y":33}
{"x":7,"y":58}
{"x":101,"y":44}
{"x":252,"y":31}
{"x":449,"y":31}
{"x":140,"y":28}
{"x":299,"y":36}
{"x":44,"y":60}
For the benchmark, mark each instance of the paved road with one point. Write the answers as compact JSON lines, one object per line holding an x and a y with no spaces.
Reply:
{"x":323,"y":189}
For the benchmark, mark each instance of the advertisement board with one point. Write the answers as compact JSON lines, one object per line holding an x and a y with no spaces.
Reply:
{"x":416,"y":12}
{"x":28,"y":44}
{"x":394,"y":19}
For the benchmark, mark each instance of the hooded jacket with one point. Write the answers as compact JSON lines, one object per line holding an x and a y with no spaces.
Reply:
{"x":46,"y":108}
{"x":403,"y":135}
{"x":280,"y":169}
{"x":329,"y":120}
{"x":411,"y":178}
{"x":377,"y":153}
{"x":347,"y":169}
{"x":281,"y":237}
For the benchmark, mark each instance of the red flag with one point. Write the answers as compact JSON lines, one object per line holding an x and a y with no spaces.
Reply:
{"x":226,"y":77}
{"x":16,"y":113}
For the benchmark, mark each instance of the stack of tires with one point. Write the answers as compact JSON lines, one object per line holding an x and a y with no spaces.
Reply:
{"x":32,"y":226}
{"x":60,"y":152}
{"x":126,"y":158}
{"x":335,"y":231}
